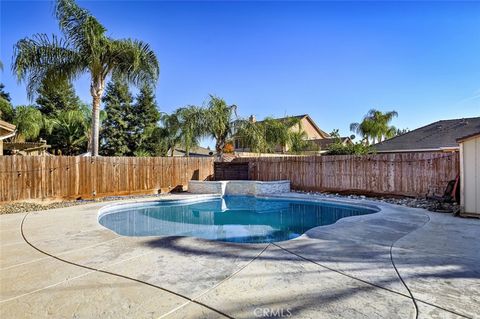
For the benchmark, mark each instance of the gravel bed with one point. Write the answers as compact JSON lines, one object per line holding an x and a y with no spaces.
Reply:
{"x":23,"y":207}
{"x":431,"y":205}
{"x":428,"y":204}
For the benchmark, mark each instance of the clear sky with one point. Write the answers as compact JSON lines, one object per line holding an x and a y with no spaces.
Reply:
{"x":332,"y":60}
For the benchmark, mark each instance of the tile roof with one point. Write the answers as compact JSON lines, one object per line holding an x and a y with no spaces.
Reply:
{"x":435,"y":136}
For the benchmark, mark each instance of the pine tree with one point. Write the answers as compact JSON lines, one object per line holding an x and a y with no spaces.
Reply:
{"x":54,"y":102}
{"x":117,"y":134}
{"x":55,"y":98}
{"x":145,"y":123}
{"x":6,"y":108}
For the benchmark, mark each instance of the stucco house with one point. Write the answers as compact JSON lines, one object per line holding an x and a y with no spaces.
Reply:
{"x":306,"y":123}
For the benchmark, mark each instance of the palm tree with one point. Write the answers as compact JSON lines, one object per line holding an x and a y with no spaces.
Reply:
{"x":267,"y":135}
{"x":170,"y":131}
{"x":299,"y":142}
{"x":279,"y":132}
{"x":219,"y":121}
{"x":85,"y":49}
{"x":70,"y":129}
{"x":375,"y":126}
{"x":28,"y":121}
{"x":192,"y":124}
{"x":251,"y":134}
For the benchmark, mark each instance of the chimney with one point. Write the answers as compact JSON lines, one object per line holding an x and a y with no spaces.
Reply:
{"x":252,"y":118}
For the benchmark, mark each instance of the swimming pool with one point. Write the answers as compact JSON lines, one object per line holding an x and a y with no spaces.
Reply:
{"x":245,"y":219}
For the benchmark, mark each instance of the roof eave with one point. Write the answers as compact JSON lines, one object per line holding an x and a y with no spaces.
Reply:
{"x":438,"y":149}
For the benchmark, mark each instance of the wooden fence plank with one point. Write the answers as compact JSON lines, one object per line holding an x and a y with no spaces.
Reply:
{"x":407,"y":174}
{"x":410,"y":174}
{"x":39,"y":177}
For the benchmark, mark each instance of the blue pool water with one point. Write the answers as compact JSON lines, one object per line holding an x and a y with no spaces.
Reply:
{"x":243,"y":219}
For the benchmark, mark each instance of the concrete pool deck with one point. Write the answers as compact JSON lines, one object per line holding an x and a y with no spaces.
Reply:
{"x":79,"y":269}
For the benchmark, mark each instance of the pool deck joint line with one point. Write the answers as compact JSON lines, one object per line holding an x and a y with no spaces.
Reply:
{"x":435,"y":263}
{"x":110,"y":273}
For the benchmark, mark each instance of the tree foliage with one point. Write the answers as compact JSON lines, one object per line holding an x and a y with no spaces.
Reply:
{"x":131,"y":126}
{"x":192,"y":126}
{"x":145,"y":124}
{"x":3,"y":94}
{"x":375,"y":126}
{"x":55,"y":98}
{"x":340,"y":148}
{"x":273,"y":135}
{"x":6,"y":108}
{"x":359,"y":148}
{"x":118,"y":130}
{"x":28,"y":121}
{"x":85,"y":48}
{"x":219,"y":117}
{"x":170,"y":132}
{"x":69,"y":131}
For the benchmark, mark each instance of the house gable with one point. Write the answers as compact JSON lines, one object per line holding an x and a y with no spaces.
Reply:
{"x":311,"y":129}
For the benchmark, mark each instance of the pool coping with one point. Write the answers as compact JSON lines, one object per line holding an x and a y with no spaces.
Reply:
{"x":194,"y":198}
{"x":415,"y":242}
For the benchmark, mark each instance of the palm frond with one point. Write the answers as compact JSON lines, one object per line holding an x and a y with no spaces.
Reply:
{"x":132,"y":60}
{"x":79,"y":26}
{"x":29,"y":122}
{"x":45,"y":59}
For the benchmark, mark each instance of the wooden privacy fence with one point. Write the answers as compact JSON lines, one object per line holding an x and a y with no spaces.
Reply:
{"x":41,"y":177}
{"x":408,"y":174}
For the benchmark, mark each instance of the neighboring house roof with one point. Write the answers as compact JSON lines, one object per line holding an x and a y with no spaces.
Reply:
{"x":467,"y":137}
{"x":6,"y":128}
{"x":194,"y":151}
{"x":26,"y":148}
{"x":440,"y":135}
{"x":324,"y":143}
{"x":308,"y":118}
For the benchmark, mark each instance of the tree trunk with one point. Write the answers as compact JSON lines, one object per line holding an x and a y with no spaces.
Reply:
{"x":219,"y":146}
{"x":96,"y":90}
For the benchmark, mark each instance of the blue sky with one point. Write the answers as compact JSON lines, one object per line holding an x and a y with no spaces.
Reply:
{"x":332,"y":60}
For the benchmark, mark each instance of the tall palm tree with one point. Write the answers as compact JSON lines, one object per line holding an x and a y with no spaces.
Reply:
{"x":85,"y":49}
{"x":375,"y":126}
{"x":192,"y":121}
{"x":219,"y":121}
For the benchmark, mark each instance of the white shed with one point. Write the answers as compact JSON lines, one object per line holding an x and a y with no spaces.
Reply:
{"x":470,"y":173}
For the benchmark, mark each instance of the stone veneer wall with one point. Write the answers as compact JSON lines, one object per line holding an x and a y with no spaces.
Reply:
{"x":238,"y":187}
